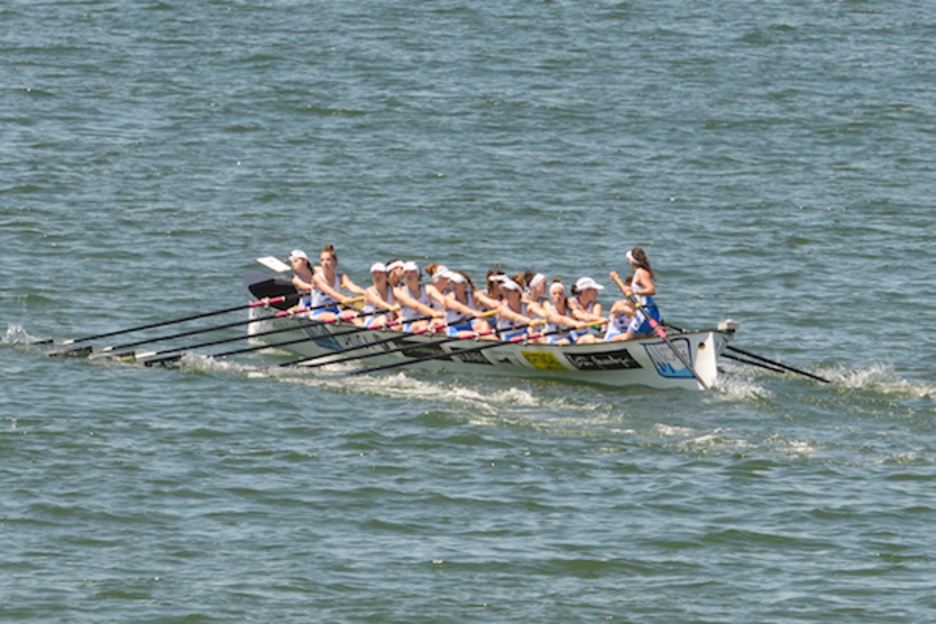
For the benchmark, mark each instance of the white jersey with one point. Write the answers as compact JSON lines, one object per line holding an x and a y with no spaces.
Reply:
{"x":407,"y":313}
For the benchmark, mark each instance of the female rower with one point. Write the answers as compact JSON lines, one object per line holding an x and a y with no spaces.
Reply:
{"x":512,"y":316}
{"x":439,"y":286}
{"x":490,"y":298}
{"x":413,"y":300}
{"x":461,"y":316}
{"x":535,"y":297}
{"x":643,"y":289}
{"x":303,"y":273}
{"x":381,"y":308}
{"x":326,"y":294}
{"x":585,"y":307}
{"x":557,"y":312}
{"x":622,"y":312}
{"x":394,"y":272}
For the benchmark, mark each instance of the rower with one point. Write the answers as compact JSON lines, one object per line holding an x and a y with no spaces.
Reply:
{"x":586,"y":308}
{"x":512,"y":316}
{"x":326,"y":294}
{"x":413,"y":300}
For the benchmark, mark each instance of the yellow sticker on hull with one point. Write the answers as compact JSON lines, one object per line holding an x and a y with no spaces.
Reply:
{"x":543,"y":361}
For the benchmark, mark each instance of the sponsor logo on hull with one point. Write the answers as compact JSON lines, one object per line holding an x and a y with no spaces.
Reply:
{"x":666,"y":362}
{"x":607,"y":360}
{"x":329,"y":343}
{"x":543,"y":361}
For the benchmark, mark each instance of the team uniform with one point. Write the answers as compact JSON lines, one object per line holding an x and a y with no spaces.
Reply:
{"x":458,"y":322}
{"x":407,"y":314}
{"x":617,"y":326}
{"x":509,"y":329}
{"x":323,"y":299}
{"x":647,"y":308}
{"x":375,"y":314}
{"x":575,"y":334}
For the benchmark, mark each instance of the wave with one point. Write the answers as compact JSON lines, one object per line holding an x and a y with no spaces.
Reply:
{"x":17,"y":335}
{"x":881,"y":378}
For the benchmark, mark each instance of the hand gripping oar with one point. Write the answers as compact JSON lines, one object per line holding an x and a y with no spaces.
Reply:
{"x":489,"y":345}
{"x":194,"y":332}
{"x":398,"y":336}
{"x":290,"y":299}
{"x":659,"y":331}
{"x":153,"y":358}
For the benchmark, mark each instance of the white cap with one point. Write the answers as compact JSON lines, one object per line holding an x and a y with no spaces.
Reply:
{"x":298,"y":253}
{"x":509,"y":284}
{"x":500,"y":277}
{"x":441,"y":273}
{"x":557,"y":286}
{"x":630,"y":256}
{"x":378,"y":267}
{"x":587,"y":282}
{"x":396,"y":264}
{"x":411,"y":266}
{"x":538,"y":279}
{"x":457,"y":278}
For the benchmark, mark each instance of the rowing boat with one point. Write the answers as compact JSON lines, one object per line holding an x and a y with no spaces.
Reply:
{"x":647,"y":361}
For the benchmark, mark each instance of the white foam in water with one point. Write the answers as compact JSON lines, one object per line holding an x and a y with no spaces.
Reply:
{"x":880,"y":377}
{"x":736,"y":386}
{"x":207,"y":363}
{"x":16,"y":334}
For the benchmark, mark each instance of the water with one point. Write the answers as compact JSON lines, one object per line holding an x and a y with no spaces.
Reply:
{"x":773,"y":158}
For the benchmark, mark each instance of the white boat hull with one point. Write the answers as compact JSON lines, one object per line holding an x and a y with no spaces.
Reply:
{"x":648,"y":361}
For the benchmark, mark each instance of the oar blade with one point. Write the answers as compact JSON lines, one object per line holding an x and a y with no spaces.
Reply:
{"x":274,"y":264}
{"x":76,"y":352}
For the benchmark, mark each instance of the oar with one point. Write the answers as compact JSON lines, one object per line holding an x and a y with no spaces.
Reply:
{"x":274,"y":264}
{"x":780,"y":367}
{"x":396,"y":336}
{"x":153,"y":358}
{"x":753,"y":363}
{"x":777,"y":364}
{"x":194,"y":332}
{"x":384,"y":341}
{"x":659,"y":332}
{"x":262,"y":302}
{"x":436,"y":356}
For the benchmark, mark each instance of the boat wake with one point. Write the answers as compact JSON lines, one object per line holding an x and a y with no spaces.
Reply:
{"x":398,"y":386}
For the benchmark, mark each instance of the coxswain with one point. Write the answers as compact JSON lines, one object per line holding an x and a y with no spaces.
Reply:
{"x":642,"y":288}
